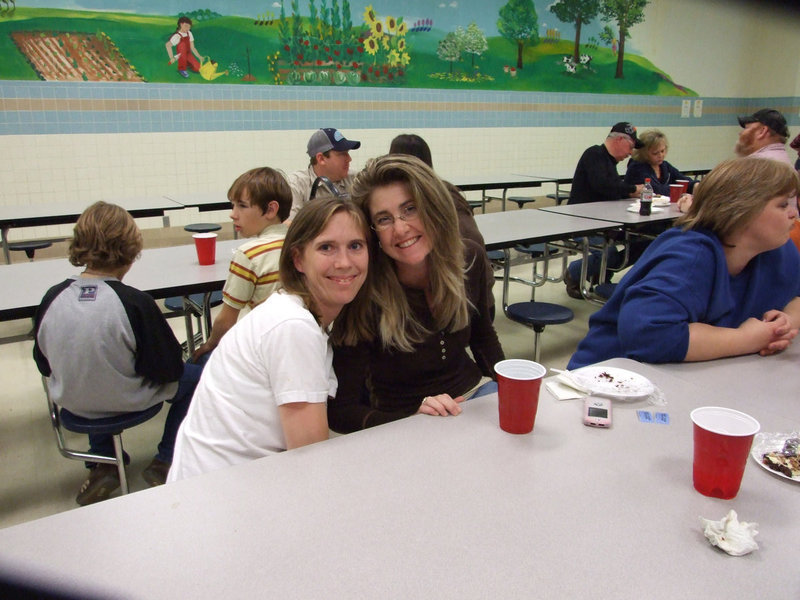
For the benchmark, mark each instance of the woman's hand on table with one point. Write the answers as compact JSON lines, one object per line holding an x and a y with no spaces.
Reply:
{"x":441,"y":405}
{"x":684,"y":202}
{"x":782,"y":332}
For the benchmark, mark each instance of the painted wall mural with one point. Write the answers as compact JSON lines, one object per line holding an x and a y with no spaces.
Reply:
{"x":521,"y":45}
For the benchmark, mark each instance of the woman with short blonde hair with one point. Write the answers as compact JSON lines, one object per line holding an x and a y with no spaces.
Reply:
{"x":724,"y":282}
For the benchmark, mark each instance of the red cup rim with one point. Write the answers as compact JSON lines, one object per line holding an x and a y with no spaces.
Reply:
{"x":697,"y":411}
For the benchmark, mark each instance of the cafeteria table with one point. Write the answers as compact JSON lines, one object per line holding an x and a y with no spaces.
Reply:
{"x":507,"y":229}
{"x":438,"y":507}
{"x":616,"y":211}
{"x":495,"y":181}
{"x":60,"y":213}
{"x":161,"y":272}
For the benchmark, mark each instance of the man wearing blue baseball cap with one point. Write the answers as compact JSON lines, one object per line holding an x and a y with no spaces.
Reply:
{"x":329,"y":152}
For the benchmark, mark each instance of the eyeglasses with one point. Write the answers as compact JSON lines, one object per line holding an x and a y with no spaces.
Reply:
{"x":385,"y":221}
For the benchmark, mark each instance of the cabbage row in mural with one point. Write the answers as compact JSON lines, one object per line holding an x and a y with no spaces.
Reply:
{"x":322,"y":43}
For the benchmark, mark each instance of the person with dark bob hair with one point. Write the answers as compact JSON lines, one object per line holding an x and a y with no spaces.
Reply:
{"x":265,"y":387}
{"x":724,"y":281}
{"x":105,"y":347}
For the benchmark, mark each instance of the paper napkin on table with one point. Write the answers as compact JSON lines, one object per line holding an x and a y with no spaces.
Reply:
{"x":561,"y":391}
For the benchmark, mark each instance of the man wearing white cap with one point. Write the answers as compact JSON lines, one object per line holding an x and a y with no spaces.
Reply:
{"x":330,"y":157}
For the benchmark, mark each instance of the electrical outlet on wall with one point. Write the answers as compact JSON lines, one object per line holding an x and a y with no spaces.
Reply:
{"x":698,"y":109}
{"x":686,"y":107}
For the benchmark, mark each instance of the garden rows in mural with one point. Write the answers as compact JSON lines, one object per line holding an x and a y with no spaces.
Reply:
{"x":325,"y":47}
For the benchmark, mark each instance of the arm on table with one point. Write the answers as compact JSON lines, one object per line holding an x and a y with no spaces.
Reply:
{"x":707,"y":342}
{"x":303,"y":423}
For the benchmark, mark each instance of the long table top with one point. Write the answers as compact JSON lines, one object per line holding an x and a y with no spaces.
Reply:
{"x":506,"y":229}
{"x":59,"y":213}
{"x":615,"y":211}
{"x":161,"y":272}
{"x":447,"y":508}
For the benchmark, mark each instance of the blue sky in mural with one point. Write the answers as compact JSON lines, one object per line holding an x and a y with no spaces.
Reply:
{"x":446,"y":14}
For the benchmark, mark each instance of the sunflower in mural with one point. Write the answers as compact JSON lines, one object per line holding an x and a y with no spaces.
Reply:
{"x":391,"y":25}
{"x":369,"y":16}
{"x":402,"y":29}
{"x":371,"y":45}
{"x":377,"y":29}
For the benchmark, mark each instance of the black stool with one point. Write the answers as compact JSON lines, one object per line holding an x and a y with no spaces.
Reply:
{"x":194,"y":305}
{"x":559,"y":197}
{"x":538,"y":315}
{"x":29,"y":248}
{"x":202,"y":227}
{"x":521,"y":200}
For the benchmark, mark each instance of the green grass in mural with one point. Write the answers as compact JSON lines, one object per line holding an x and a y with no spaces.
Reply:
{"x":141,"y":39}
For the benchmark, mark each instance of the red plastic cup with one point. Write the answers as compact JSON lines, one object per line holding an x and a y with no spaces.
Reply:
{"x":675,"y":191}
{"x":685,"y":184}
{"x":722,"y":440}
{"x":518,"y":383}
{"x":206,"y":246}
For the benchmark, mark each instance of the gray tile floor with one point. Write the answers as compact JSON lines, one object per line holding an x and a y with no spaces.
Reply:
{"x":35,"y":481}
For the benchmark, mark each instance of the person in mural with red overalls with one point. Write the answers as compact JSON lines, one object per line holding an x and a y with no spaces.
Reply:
{"x":183,"y":41}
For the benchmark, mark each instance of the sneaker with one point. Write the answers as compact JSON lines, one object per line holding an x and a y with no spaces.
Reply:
{"x":573,"y":289}
{"x":183,"y":73}
{"x":103,"y":480}
{"x":156,"y":472}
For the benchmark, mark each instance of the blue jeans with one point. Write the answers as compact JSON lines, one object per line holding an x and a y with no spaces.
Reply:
{"x":490,"y":387}
{"x":613,"y":260}
{"x":179,"y":405}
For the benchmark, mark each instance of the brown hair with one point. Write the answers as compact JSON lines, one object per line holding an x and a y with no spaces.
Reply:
{"x":352,"y":324}
{"x":105,"y":237}
{"x":735,"y":192}
{"x":262,"y":186}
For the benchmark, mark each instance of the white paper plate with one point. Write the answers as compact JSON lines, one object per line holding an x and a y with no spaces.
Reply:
{"x":634,"y":208}
{"x":660,"y":200}
{"x":770,"y":442}
{"x":613,"y":382}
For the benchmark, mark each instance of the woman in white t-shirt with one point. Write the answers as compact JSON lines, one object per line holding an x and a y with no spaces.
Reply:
{"x":265,"y":387}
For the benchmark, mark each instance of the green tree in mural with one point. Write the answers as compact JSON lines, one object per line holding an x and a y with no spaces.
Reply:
{"x":473,"y":42}
{"x":626,"y":13}
{"x":607,"y":36}
{"x":579,"y":13}
{"x":519,"y":24}
{"x":449,"y":49}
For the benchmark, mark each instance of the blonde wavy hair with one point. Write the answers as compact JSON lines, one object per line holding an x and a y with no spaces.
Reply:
{"x":649,"y":138}
{"x":397,"y":326}
{"x":735,"y":192}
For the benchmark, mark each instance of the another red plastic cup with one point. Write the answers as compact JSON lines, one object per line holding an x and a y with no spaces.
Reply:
{"x":722,"y":440}
{"x":675,"y":191}
{"x":518,"y":383}
{"x":685,"y":184}
{"x":206,"y":246}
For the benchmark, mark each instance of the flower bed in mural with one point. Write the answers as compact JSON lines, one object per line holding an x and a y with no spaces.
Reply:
{"x":326,"y":48}
{"x":74,"y":56}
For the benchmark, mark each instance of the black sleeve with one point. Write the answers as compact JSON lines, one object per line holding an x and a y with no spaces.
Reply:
{"x":483,"y":341}
{"x":159,"y":356}
{"x":604,"y":181}
{"x":41,"y":360}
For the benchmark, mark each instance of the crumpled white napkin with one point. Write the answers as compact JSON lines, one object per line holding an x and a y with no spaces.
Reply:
{"x":734,"y":537}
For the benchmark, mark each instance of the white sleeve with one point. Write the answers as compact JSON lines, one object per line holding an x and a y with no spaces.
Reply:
{"x":174,"y":39}
{"x":299,"y":362}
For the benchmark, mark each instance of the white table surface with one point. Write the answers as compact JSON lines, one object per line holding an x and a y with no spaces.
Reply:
{"x":615,"y":210}
{"x":441,"y":508}
{"x":505,"y":229}
{"x":161,"y":272}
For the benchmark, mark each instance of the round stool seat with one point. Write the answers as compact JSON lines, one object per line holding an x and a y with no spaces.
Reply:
{"x":107,"y":425}
{"x":539,"y":314}
{"x":532,"y":249}
{"x":521,"y":200}
{"x":202,"y":227}
{"x":29,"y":248}
{"x":496,"y":255}
{"x":175,"y":303}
